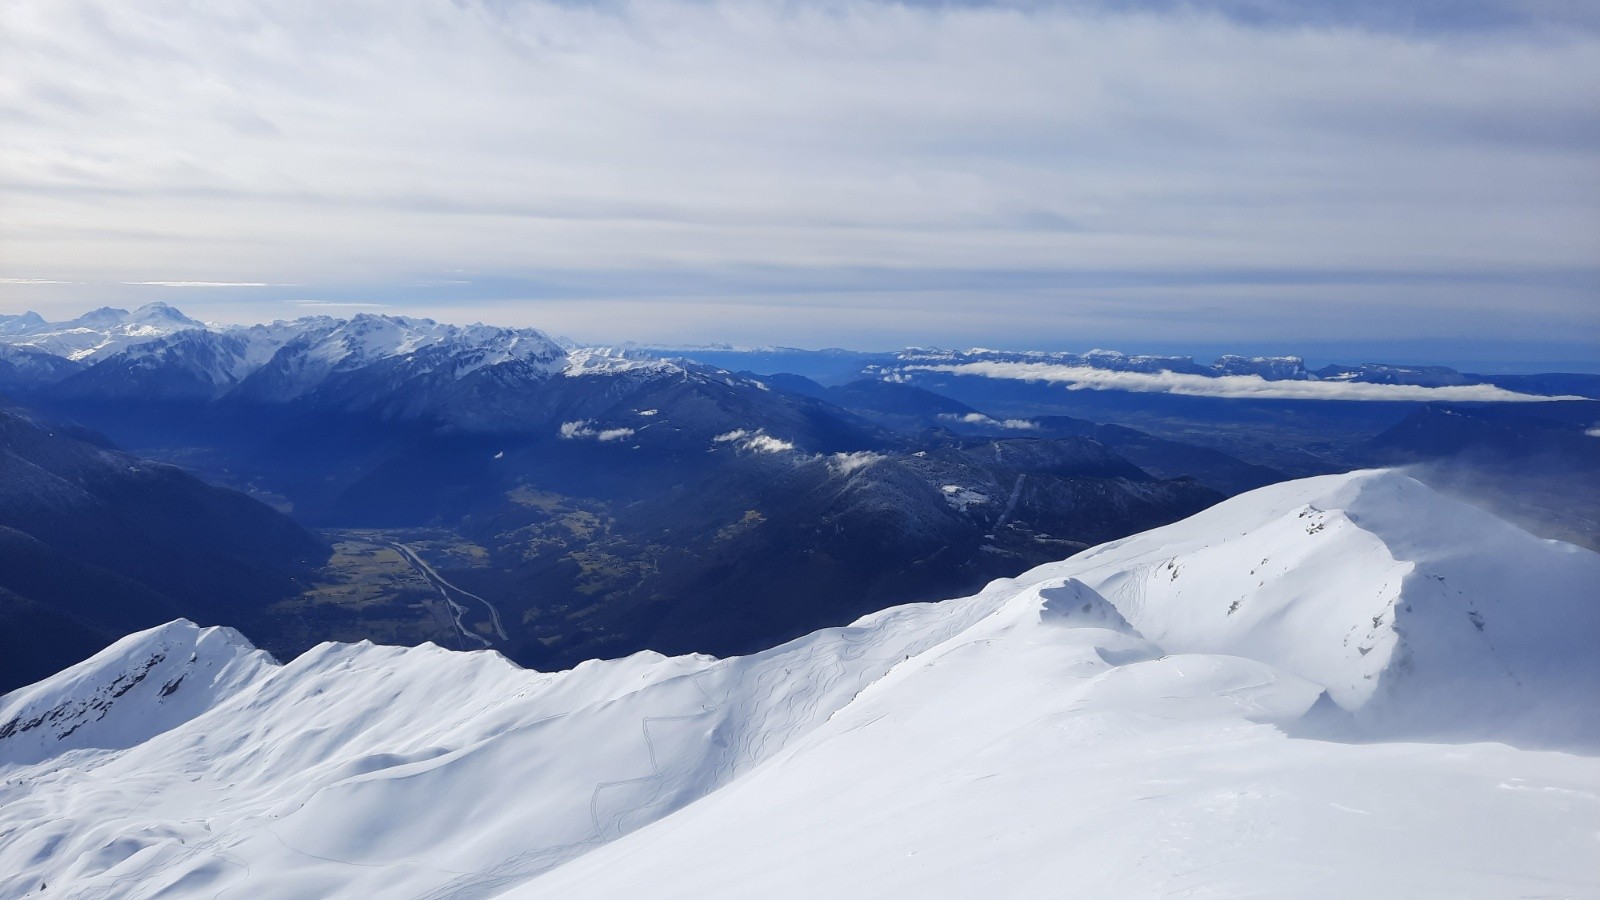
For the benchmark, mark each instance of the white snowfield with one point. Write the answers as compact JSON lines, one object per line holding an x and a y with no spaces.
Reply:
{"x":1341,"y":686}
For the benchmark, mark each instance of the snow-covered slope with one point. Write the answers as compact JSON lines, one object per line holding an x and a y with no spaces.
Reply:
{"x":192,"y":364}
{"x":129,"y":692}
{"x":321,"y":348}
{"x":1418,"y":613}
{"x":167,"y":354}
{"x":1185,"y":712}
{"x":28,"y":367}
{"x":97,"y":334}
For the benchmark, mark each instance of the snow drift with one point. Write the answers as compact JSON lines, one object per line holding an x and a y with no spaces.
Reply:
{"x":1234,"y":704}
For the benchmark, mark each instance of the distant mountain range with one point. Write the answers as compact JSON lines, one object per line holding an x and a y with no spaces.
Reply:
{"x":485,"y":486}
{"x":297,"y":355}
{"x":594,"y":501}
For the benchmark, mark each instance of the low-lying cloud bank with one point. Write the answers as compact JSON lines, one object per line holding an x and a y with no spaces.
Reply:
{"x":1085,"y":378}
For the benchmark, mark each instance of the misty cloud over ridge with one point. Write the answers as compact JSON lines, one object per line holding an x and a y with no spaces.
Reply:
{"x":1087,"y":378}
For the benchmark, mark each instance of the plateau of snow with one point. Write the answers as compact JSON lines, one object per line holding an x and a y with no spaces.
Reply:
{"x":1332,"y":687}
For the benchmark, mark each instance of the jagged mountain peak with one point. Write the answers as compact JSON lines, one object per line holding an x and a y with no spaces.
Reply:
{"x":144,"y":684}
{"x":102,"y":332}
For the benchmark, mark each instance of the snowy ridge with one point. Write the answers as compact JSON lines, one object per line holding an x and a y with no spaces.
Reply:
{"x":330,"y":346}
{"x":22,"y":364}
{"x":610,"y":361}
{"x":1411,"y":608}
{"x":137,"y":688}
{"x":97,"y":334}
{"x":1126,"y":721}
{"x":292,"y":358}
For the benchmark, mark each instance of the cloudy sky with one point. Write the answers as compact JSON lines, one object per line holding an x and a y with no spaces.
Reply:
{"x":1413,"y":181}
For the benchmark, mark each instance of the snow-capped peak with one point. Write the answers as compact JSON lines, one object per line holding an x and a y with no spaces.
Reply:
{"x":160,"y":314}
{"x":583,"y":361}
{"x":100,"y":333}
{"x":316,"y":346}
{"x":143,"y":685}
{"x":1415,"y":611}
{"x":20,"y":324}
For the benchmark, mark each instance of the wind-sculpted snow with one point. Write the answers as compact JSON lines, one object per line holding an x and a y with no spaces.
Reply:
{"x":1418,"y":613}
{"x":401,"y":772}
{"x":1184,"y":712}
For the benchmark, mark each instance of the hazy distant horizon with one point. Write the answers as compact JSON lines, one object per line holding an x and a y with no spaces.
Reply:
{"x":1316,"y":354}
{"x":1133,"y":173}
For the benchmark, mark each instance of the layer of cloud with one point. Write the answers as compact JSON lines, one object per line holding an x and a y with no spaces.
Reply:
{"x":205,"y":284}
{"x":843,"y":464}
{"x":806,"y":149}
{"x":583,"y":428}
{"x":1080,"y":378}
{"x":981,"y":419}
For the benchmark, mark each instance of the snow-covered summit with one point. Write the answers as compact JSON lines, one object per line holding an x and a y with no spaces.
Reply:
{"x":169,"y":354}
{"x":1209,"y":706}
{"x":20,"y":324}
{"x":1417,"y":612}
{"x":612,"y":360}
{"x":139,"y":687}
{"x":344,"y":346}
{"x":99,"y":333}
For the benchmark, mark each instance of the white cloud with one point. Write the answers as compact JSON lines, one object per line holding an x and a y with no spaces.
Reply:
{"x":849,"y":463}
{"x":204,"y":284}
{"x":758,"y":441}
{"x":974,"y":418}
{"x":1593,"y":432}
{"x":1078,"y":378}
{"x":583,"y":428}
{"x":766,"y":443}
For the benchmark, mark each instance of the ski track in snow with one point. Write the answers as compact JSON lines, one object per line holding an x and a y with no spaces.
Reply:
{"x":755,"y":744}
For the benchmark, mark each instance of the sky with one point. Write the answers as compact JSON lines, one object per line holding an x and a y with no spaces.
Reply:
{"x":1406,"y":181}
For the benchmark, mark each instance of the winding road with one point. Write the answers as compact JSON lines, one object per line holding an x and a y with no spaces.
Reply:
{"x":445,"y":589}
